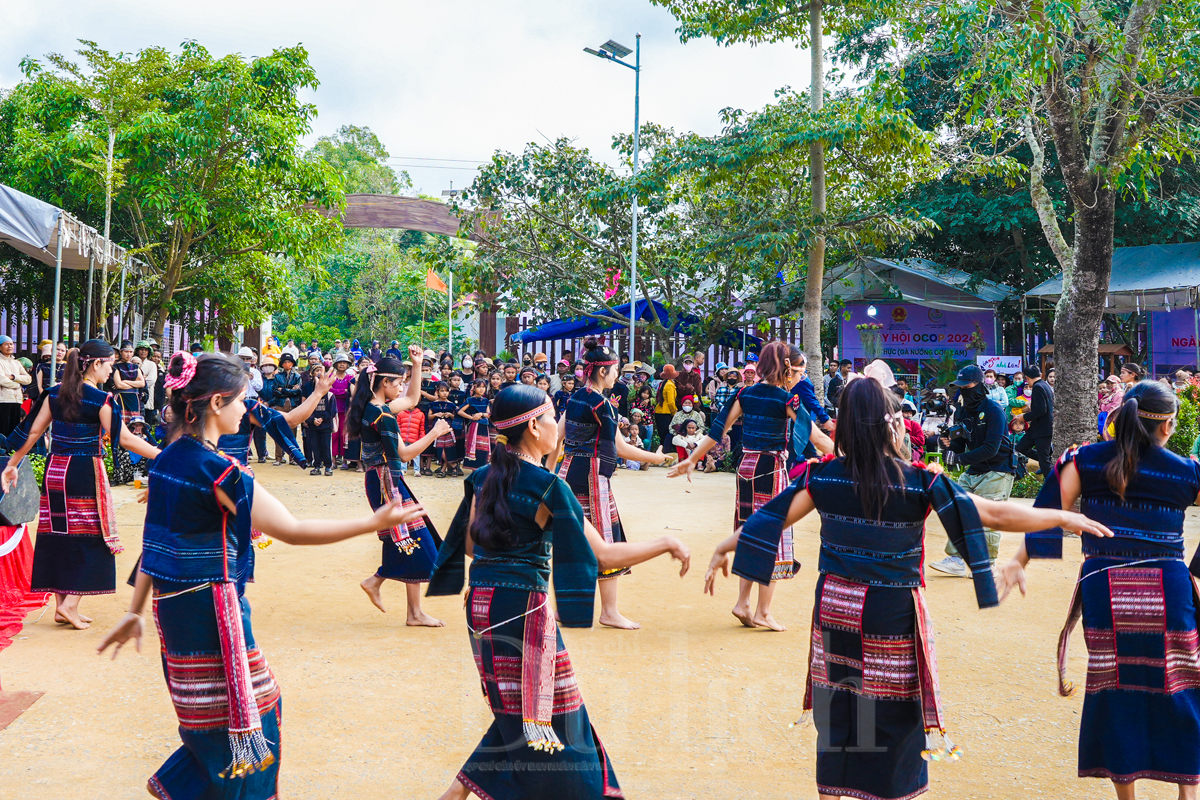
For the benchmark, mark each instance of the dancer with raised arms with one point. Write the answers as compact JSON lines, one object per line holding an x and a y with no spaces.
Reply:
{"x":762,"y":474}
{"x":1135,"y":595}
{"x":410,"y":549}
{"x":587,"y":433}
{"x":196,"y":560}
{"x":514,"y":515}
{"x":77,"y":539}
{"x":872,"y":676}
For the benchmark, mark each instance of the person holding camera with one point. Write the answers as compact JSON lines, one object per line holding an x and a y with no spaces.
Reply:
{"x":980,"y":439}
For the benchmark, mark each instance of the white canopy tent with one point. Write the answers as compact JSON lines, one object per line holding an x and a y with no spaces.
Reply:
{"x":50,"y":235}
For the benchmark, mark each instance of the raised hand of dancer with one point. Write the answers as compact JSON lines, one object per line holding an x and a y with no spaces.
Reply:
{"x":440,"y":427}
{"x":685,"y":468}
{"x":130,"y":627}
{"x":415,"y":354}
{"x":325,"y":383}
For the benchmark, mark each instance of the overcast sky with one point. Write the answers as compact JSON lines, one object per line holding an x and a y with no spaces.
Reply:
{"x":443,"y":79}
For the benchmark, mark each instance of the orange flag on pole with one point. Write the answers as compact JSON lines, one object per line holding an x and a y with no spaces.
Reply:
{"x":432,"y":281}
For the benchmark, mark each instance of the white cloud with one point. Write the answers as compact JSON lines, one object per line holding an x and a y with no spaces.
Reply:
{"x":450,"y":79}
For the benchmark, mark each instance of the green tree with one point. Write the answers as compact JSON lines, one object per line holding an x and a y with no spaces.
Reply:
{"x":1100,"y":91}
{"x":361,"y":159}
{"x":215,"y":193}
{"x":757,"y":21}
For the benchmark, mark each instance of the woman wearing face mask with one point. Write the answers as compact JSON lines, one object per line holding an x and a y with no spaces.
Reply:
{"x":687,"y":411}
{"x":589,"y":438}
{"x":994,"y":390}
{"x":689,"y":381}
{"x":513,"y":514}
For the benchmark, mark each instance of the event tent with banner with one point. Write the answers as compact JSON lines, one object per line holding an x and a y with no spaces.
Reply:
{"x":1161,"y":280}
{"x":51,"y":235}
{"x":602,"y":321}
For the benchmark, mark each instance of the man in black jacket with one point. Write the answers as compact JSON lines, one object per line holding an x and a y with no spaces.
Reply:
{"x":285,"y":395}
{"x":987,"y":452}
{"x":1039,"y":421}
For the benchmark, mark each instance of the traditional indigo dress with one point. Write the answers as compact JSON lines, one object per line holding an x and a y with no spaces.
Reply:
{"x":409,"y":549}
{"x":541,"y":743}
{"x":77,"y":528}
{"x":1141,"y":712}
{"x":237,"y":446}
{"x":478,"y":447}
{"x":224,"y":692}
{"x":445,"y":442}
{"x":762,"y":472}
{"x":871,"y":655}
{"x":590,"y":457}
{"x":130,"y":400}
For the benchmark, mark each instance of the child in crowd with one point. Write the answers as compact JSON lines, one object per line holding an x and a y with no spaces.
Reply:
{"x":318,"y":428}
{"x":458,"y":397}
{"x":543,"y":383}
{"x":442,"y":408}
{"x":1016,"y":429}
{"x":916,"y":436}
{"x":475,"y":411}
{"x":564,"y":394}
{"x":633,"y":435}
{"x":688,"y":440}
{"x":412,"y":428}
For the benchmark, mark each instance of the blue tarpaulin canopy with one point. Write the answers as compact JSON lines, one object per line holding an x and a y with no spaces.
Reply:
{"x":604,"y":322}
{"x":1157,"y":277}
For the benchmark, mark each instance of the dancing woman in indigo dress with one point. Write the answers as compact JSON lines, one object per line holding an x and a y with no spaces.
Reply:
{"x":871,"y":649}
{"x":1135,"y":595}
{"x":196,"y":559}
{"x":409,"y":550}
{"x":77,"y":539}
{"x":515,"y":515}
{"x":588,"y":433}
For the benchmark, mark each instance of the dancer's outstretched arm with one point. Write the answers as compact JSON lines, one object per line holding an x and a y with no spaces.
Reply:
{"x":801,"y":505}
{"x":273,"y":518}
{"x":616,"y":555}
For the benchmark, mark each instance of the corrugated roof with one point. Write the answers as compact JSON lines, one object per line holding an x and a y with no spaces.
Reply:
{"x":1154,"y":269}
{"x":948,"y":276}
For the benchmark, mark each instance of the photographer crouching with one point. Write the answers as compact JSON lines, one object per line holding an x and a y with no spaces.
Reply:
{"x":979,"y":437}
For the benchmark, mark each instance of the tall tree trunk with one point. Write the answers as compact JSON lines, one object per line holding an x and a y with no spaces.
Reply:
{"x":814,"y":283}
{"x":1077,"y":322}
{"x":108,"y":192}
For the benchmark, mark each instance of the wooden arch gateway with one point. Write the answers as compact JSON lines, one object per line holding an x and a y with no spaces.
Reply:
{"x":396,"y":212}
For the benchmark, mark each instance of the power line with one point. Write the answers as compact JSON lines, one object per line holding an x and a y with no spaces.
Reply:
{"x":422,"y":158}
{"x":434,"y":166}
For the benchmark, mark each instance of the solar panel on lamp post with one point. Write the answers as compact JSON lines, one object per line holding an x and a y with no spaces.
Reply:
{"x":614,"y":51}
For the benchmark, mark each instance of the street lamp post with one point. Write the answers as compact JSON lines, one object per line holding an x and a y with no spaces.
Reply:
{"x":614,"y":52}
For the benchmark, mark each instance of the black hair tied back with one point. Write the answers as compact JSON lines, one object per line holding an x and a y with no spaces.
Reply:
{"x":1147,"y":405}
{"x":493,"y":524}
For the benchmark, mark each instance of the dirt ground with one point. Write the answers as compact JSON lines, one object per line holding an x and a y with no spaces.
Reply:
{"x":692,"y":706}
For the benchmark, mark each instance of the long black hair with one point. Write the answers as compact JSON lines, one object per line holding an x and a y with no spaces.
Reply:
{"x":70,"y":392}
{"x":1147,"y":405}
{"x":866,"y":441}
{"x":364,"y":390}
{"x":493,"y":524}
{"x":216,"y":374}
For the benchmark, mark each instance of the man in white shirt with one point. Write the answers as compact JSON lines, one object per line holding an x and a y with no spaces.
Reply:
{"x":149,"y":371}
{"x":256,"y":380}
{"x":12,"y":377}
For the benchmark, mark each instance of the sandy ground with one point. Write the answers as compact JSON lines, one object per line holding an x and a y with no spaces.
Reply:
{"x":692,"y":706}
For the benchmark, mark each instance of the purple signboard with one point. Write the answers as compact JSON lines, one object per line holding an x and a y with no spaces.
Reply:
{"x":1172,"y":339}
{"x":918,"y":332}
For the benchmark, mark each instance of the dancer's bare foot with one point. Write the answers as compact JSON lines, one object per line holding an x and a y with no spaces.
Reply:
{"x":743,"y":615}
{"x":421,"y":619}
{"x":61,"y":620}
{"x":767,"y":621}
{"x":372,"y":589}
{"x":615,"y":620}
{"x":72,"y":618}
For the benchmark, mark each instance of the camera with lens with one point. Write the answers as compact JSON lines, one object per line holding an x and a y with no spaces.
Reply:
{"x":952,"y":432}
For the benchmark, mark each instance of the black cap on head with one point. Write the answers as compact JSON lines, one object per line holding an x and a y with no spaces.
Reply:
{"x":968,"y":374}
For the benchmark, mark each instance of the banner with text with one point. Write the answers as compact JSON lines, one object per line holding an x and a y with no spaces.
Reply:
{"x":912,"y":331}
{"x":1005,"y":364}
{"x":1172,"y":339}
